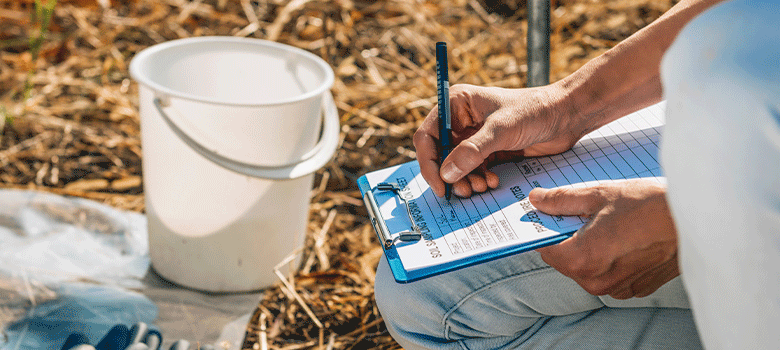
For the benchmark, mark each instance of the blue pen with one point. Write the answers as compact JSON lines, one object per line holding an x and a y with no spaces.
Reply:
{"x":445,"y":119}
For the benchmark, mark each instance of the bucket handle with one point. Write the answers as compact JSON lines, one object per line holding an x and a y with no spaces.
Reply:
{"x":320,"y":154}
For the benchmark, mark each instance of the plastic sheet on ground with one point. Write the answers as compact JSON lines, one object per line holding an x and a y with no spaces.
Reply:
{"x":73,"y":265}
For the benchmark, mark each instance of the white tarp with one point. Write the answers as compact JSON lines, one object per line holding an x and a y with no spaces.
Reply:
{"x":73,"y":265}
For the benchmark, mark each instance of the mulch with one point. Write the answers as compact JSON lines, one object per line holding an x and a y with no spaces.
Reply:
{"x":69,"y":120}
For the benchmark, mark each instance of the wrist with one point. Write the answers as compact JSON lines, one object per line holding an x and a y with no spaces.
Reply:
{"x":570,"y":108}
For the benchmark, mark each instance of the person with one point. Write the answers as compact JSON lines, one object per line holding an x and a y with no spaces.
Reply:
{"x":617,"y":282}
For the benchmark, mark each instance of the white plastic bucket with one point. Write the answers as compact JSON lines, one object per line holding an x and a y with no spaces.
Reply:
{"x":232,"y":131}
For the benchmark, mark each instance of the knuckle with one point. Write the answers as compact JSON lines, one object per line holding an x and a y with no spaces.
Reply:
{"x":621,"y":295}
{"x":546,"y":255}
{"x":552,"y":196}
{"x":559,"y":194}
{"x":579,"y":266}
{"x":596,"y":286}
{"x":607,"y":192}
{"x":419,"y":137}
{"x":598,"y":191}
{"x":587,"y":265}
{"x":460,"y":90}
{"x":598,"y":195}
{"x":645,"y":292}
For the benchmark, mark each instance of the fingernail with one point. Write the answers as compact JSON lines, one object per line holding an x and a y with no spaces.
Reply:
{"x":450,"y":172}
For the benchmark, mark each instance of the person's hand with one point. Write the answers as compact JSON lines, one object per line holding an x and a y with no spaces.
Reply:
{"x":629,"y":246}
{"x":488,"y":124}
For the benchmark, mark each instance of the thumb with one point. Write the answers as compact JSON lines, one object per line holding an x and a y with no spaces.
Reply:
{"x":471,"y":153}
{"x":567,"y":201}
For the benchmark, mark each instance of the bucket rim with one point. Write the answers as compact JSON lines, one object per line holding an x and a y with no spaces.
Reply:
{"x":145,"y":80}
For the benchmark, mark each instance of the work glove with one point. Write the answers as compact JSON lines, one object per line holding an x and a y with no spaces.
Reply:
{"x":139,"y":337}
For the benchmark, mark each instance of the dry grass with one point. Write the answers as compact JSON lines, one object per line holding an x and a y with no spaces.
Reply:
{"x":69,"y":118}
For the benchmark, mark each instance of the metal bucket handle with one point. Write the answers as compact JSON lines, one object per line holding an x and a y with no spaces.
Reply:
{"x":320,"y":154}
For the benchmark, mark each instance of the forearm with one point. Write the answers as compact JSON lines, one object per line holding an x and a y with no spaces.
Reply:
{"x":627,"y":77}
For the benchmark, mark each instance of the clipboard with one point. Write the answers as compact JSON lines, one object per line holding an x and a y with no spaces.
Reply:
{"x":413,"y":235}
{"x":624,"y":149}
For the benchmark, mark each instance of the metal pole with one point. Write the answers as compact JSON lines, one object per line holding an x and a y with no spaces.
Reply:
{"x":538,"y":42}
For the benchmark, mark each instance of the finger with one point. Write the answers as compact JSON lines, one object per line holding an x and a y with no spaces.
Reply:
{"x":462,"y":188}
{"x":477,"y":182}
{"x":491,"y":179}
{"x":138,"y":332}
{"x":153,"y":339}
{"x":568,"y":201}
{"x":430,"y":172}
{"x":426,"y":146}
{"x":482,"y":179}
{"x":180,"y":344}
{"x":565,"y":257}
{"x":119,"y":334}
{"x":578,"y":257}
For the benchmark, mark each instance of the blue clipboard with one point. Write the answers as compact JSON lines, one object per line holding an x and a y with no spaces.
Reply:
{"x":624,"y":149}
{"x":373,"y":195}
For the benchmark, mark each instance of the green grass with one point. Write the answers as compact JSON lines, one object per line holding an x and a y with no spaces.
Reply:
{"x":5,"y":119}
{"x":41,"y":21}
{"x":42,"y":17}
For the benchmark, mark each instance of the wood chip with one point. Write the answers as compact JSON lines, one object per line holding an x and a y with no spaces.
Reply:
{"x":126,"y":183}
{"x":87,"y":185}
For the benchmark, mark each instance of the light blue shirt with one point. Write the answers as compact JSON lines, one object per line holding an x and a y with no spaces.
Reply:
{"x":721,"y":154}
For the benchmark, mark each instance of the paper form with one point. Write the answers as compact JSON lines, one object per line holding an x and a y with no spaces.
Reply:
{"x":624,"y":149}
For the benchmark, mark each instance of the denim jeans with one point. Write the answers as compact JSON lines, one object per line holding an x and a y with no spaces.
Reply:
{"x":521,"y":302}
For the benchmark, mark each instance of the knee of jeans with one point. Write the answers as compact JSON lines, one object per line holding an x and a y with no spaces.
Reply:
{"x":411,"y":315}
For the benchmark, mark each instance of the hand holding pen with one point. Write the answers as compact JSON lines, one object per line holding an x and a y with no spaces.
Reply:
{"x":434,"y":139}
{"x":491,"y":125}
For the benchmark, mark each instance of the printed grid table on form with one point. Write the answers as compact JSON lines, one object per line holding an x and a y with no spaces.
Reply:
{"x":624,"y":149}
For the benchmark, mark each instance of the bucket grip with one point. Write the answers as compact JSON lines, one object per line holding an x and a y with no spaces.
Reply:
{"x":316,"y":158}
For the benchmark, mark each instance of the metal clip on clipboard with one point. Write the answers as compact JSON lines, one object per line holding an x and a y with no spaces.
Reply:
{"x":388,"y":238}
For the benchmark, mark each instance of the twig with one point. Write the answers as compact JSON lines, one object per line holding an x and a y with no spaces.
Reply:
{"x":291,"y":288}
{"x":285,"y":15}
{"x":319,"y":242}
{"x":331,"y":341}
{"x":263,"y":334}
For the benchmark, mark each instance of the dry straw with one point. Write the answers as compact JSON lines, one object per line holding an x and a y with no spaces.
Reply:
{"x":75,"y":130}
